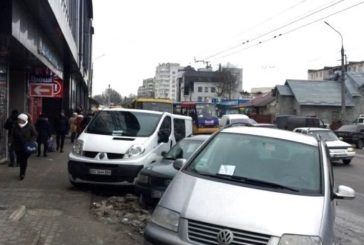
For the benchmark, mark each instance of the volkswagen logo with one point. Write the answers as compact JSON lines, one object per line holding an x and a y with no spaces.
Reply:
{"x":225,"y":237}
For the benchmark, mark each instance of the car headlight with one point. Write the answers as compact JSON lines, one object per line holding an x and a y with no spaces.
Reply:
{"x":142,"y":179}
{"x":134,"y":150}
{"x":166,"y":218}
{"x":299,"y":240}
{"x":77,"y":147}
{"x":350,"y":149}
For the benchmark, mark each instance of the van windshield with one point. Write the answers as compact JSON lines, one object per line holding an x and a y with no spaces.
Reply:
{"x":258,"y":160}
{"x":124,"y":123}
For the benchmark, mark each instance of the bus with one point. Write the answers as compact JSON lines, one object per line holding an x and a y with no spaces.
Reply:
{"x":204,"y":118}
{"x":151,"y":104}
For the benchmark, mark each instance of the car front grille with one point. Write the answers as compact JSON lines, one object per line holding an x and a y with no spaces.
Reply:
{"x":205,"y":233}
{"x":111,"y":156}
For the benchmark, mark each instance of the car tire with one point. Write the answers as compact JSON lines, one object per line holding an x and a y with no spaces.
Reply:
{"x":346,"y":161}
{"x":359,"y":144}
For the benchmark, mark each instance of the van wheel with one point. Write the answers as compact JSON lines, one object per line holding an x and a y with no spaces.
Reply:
{"x":359,"y":144}
{"x":346,"y":162}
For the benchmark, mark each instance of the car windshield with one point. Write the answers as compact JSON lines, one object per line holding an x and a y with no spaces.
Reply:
{"x":242,"y":157}
{"x":183,"y":149}
{"x":325,"y":135}
{"x":348,"y":128}
{"x":124,"y":123}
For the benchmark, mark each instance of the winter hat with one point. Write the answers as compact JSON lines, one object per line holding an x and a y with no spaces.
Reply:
{"x":23,"y":117}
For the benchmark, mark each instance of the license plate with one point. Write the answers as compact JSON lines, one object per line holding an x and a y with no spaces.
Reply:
{"x":100,"y":171}
{"x":157,"y":194}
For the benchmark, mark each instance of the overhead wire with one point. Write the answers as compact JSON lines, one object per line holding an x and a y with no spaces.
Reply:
{"x":292,"y":30}
{"x":309,"y":13}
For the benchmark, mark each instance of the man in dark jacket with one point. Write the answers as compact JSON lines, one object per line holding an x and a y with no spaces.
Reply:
{"x":61,"y":127}
{"x":10,"y":125}
{"x":44,"y":133}
{"x":23,"y":132}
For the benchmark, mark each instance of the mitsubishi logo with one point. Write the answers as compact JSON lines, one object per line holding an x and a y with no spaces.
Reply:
{"x":225,"y":237}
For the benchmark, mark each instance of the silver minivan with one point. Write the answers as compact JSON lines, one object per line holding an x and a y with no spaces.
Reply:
{"x":250,"y":185}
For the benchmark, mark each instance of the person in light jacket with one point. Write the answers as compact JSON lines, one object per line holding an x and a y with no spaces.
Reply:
{"x":22,"y":132}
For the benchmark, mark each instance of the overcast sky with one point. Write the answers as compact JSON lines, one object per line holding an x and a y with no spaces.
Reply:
{"x":133,"y":37}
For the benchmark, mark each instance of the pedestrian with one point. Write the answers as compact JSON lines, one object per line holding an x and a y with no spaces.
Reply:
{"x":61,"y":127}
{"x":44,"y":133}
{"x":9,"y":125}
{"x":86,"y":120}
{"x":73,"y":126}
{"x":78,"y":123}
{"x":22,"y":133}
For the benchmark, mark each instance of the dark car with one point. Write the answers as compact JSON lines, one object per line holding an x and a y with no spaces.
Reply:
{"x":352,"y":134}
{"x":154,"y":178}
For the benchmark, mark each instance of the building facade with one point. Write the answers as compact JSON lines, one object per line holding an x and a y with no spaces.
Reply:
{"x":334,"y":72}
{"x":45,"y":57}
{"x":147,"y":90}
{"x":166,"y":77}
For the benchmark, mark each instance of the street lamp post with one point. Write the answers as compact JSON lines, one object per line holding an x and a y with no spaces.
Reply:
{"x":342,"y":72}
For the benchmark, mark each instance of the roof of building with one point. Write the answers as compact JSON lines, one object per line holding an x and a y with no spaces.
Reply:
{"x":318,"y":92}
{"x":284,"y":90}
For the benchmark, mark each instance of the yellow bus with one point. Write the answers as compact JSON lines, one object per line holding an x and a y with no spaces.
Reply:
{"x":163,"y":105}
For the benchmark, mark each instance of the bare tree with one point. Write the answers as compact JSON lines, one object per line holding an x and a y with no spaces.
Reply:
{"x":227,"y":83}
{"x":109,"y":96}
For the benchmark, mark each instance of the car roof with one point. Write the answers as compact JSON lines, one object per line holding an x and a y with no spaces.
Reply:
{"x":235,"y":116}
{"x":133,"y":110}
{"x":198,"y":137}
{"x":273,"y":133}
{"x":313,"y":129}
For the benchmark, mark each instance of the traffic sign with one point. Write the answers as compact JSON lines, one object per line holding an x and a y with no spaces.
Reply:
{"x":41,"y":90}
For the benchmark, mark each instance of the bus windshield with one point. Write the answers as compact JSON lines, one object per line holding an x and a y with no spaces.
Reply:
{"x":205,"y":110}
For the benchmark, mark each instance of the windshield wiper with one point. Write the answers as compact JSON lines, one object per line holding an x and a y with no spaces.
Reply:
{"x":242,"y":179}
{"x":169,"y":158}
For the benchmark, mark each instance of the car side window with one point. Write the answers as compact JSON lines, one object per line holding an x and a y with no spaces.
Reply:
{"x":166,"y":126}
{"x":179,"y":129}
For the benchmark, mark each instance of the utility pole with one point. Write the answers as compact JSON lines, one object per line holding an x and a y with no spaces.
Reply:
{"x":109,"y":96}
{"x":342,"y":72}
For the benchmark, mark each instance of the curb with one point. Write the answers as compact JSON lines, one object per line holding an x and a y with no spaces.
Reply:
{"x":18,"y":213}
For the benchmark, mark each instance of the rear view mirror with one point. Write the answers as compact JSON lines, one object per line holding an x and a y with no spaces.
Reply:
{"x":163,"y":154}
{"x":344,"y":192}
{"x":179,"y":163}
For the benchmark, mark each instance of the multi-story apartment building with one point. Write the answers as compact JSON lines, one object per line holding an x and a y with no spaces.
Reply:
{"x":334,"y":72}
{"x":147,"y":89}
{"x":45,"y":58}
{"x":166,"y":77}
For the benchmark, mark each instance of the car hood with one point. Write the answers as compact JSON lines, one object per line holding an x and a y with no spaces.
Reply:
{"x":108,"y":143}
{"x":250,"y":209}
{"x":162,"y":169}
{"x":337,"y":143}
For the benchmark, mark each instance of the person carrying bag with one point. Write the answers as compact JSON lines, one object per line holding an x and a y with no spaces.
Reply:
{"x":23,"y":138}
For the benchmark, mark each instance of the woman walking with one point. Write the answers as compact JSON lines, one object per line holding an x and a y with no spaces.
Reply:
{"x":22,"y":133}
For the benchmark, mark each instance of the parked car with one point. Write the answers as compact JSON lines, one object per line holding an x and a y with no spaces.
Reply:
{"x":235,"y":118}
{"x":339,"y":150}
{"x":359,"y":120}
{"x":118,"y":143}
{"x":154,"y":178}
{"x":227,"y":193}
{"x":290,"y":122}
{"x":352,"y":134}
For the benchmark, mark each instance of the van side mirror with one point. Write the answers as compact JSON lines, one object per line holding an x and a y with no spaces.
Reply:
{"x":163,"y":153}
{"x":179,"y":163}
{"x":344,"y":192}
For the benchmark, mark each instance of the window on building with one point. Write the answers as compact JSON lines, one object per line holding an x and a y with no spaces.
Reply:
{"x":206,"y":89}
{"x":199,"y":89}
{"x":213,"y":90}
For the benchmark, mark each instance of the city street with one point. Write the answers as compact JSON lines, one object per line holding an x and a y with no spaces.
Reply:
{"x":57,"y":213}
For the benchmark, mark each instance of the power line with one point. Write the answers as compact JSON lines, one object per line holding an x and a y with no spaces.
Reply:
{"x":255,"y":26}
{"x":309,"y":13}
{"x":292,"y":30}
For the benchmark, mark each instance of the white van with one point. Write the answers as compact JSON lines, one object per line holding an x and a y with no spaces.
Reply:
{"x":117,"y":143}
{"x":235,"y":118}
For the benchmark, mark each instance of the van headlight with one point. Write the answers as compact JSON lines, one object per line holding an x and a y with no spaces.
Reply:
{"x":299,"y":240}
{"x":134,"y":150}
{"x":77,"y":147}
{"x":166,"y":218}
{"x":350,"y":149}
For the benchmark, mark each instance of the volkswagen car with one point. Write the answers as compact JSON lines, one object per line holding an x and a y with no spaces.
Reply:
{"x":250,"y":185}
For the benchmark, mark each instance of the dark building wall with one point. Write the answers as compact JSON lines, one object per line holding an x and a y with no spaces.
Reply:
{"x":17,"y":90}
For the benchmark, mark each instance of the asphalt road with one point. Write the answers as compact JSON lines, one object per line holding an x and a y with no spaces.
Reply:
{"x":350,"y":213}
